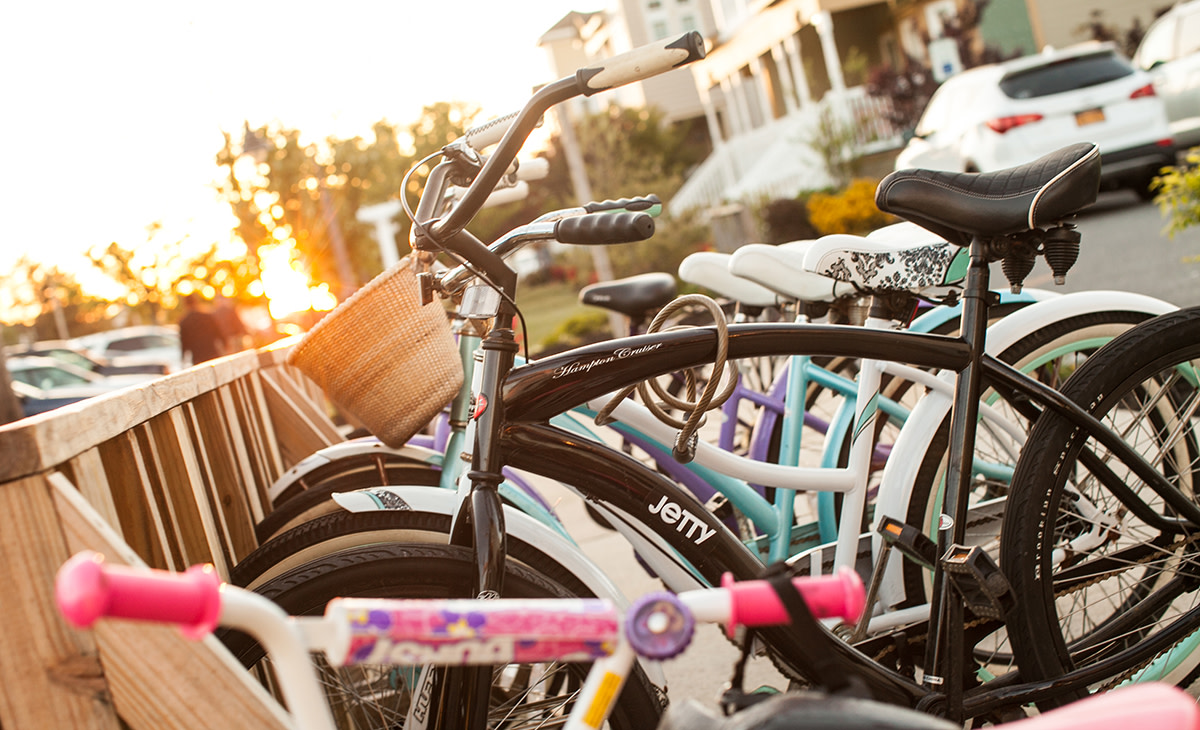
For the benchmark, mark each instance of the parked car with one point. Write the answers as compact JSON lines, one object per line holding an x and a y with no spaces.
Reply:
{"x":1001,"y":115}
{"x":1170,"y":52}
{"x":35,"y":400}
{"x":79,"y":357}
{"x":136,"y":345}
{"x":48,"y":373}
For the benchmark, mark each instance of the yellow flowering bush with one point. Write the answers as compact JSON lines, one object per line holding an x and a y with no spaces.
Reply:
{"x":849,"y":211}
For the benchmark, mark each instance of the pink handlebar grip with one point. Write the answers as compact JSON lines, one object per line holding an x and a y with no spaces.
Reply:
{"x":86,"y":589}
{"x":755,"y":603}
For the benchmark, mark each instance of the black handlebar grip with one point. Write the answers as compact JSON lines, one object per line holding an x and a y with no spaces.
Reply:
{"x":641,"y":63}
{"x":633,"y":205}
{"x":604,"y":228}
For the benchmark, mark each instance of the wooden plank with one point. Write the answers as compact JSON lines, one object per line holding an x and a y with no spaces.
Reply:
{"x":155,"y":484}
{"x":266,"y":425}
{"x":87,"y":473}
{"x":294,"y":386}
{"x":41,"y":443}
{"x":226,"y":490}
{"x":299,"y":430}
{"x":249,"y":421}
{"x":255,"y":489}
{"x":159,"y":680}
{"x":49,"y":674}
{"x":183,"y":485}
{"x":139,"y":520}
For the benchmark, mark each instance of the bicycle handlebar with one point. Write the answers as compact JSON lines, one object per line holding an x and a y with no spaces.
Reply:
{"x":641,"y":63}
{"x":604,"y":228}
{"x":490,"y":132}
{"x":625,"y":68}
{"x":87,"y":589}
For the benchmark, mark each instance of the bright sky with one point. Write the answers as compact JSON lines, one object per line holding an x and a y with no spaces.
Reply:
{"x":112,"y":112}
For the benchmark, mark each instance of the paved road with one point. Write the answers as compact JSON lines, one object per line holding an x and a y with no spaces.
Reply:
{"x":1124,"y":248}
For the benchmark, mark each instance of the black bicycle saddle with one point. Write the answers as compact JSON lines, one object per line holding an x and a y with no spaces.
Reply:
{"x":962,"y":205}
{"x":632,"y":296}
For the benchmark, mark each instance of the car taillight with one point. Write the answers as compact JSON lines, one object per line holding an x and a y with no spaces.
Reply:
{"x":1147,"y":90}
{"x":1003,"y":124}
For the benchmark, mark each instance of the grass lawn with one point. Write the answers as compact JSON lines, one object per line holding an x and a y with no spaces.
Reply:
{"x":547,"y":306}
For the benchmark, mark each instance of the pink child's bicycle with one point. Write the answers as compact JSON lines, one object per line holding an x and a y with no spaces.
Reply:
{"x":448,"y":632}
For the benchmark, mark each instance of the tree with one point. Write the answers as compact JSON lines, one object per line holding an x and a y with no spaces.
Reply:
{"x":629,"y":152}
{"x":49,"y":300}
{"x":306,"y":196}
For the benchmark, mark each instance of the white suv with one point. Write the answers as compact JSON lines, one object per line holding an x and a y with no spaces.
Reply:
{"x":1170,"y":52}
{"x":1006,"y":114}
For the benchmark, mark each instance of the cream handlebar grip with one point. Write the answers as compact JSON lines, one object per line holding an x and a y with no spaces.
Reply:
{"x":86,"y":589}
{"x":641,"y":63}
{"x":490,"y":132}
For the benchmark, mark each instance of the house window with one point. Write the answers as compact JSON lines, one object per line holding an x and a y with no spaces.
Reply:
{"x":653,"y":4}
{"x":688,"y":22}
{"x":660,"y":29}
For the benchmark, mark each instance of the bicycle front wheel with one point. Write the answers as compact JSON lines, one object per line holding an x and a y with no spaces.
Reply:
{"x":1105,"y":568}
{"x":521,"y":696}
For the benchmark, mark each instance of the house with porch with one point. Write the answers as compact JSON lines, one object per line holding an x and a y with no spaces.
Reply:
{"x":778,"y":71}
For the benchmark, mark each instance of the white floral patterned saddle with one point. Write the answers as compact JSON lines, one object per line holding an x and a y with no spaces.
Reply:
{"x":854,"y":264}
{"x":904,"y":257}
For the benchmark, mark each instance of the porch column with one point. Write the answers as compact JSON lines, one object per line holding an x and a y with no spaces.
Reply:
{"x":733,"y":109}
{"x":703,"y":87}
{"x":762,"y":84}
{"x":799,"y":77}
{"x":823,"y":22}
{"x":783,"y":71}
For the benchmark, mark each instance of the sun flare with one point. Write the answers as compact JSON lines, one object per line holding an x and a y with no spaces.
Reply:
{"x":286,"y":286}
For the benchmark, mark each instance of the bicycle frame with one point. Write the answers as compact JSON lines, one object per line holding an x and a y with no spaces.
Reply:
{"x":663,"y":514}
{"x":510,"y":426}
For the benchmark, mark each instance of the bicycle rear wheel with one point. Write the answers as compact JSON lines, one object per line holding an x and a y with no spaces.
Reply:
{"x":522,"y":696}
{"x":1104,"y":568}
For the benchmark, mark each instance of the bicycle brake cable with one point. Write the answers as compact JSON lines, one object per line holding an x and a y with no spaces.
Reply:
{"x":424,"y":231}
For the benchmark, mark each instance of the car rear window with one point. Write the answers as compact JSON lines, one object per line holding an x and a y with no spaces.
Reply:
{"x":1078,"y":72}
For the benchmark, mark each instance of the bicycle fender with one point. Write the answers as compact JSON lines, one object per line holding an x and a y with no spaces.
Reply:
{"x":900,"y":471}
{"x":347,"y":449}
{"x":517,"y":524}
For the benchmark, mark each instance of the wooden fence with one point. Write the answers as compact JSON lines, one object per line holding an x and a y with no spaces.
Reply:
{"x":169,"y":474}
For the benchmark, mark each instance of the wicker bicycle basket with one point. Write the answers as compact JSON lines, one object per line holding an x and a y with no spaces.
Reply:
{"x":383,"y":357}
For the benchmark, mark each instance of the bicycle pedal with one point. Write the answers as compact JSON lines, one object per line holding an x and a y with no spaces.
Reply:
{"x":979,"y":581}
{"x":911,"y":542}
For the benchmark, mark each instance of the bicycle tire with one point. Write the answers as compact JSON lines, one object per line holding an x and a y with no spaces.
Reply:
{"x":433,"y":571}
{"x":1143,"y":362}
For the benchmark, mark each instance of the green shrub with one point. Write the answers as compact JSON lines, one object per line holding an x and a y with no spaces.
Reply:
{"x":1178,"y":193}
{"x":580,"y":329}
{"x":786,"y":219}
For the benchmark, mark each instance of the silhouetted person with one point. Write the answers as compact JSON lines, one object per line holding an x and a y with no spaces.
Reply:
{"x":199,"y":332}
{"x":233,"y":330}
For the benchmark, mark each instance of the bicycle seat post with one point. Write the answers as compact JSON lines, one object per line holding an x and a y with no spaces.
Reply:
{"x":946,"y":646}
